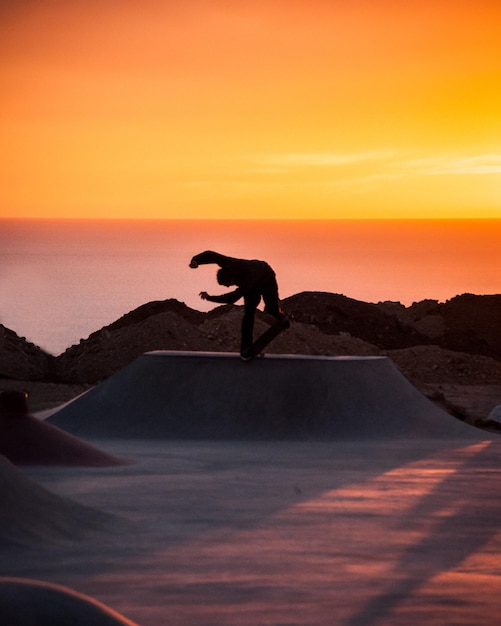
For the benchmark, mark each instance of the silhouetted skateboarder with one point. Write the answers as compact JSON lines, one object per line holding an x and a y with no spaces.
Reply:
{"x":254,"y":280}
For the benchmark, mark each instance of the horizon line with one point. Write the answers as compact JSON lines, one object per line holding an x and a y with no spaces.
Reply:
{"x":249,"y":219}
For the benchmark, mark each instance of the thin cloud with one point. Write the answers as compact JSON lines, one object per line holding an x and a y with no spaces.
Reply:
{"x":321,"y":159}
{"x":380,"y":159}
{"x":361,"y":172}
{"x":473,"y":165}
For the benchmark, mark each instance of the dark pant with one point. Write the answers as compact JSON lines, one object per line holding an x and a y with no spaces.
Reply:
{"x":269,"y":293}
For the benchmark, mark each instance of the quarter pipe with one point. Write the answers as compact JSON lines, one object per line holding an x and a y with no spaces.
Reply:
{"x":205,"y":395}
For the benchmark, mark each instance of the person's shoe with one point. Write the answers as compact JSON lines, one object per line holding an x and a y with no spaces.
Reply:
{"x":285,"y":322}
{"x":246,"y":354}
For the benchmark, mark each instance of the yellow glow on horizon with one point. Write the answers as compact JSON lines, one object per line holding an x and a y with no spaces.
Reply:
{"x":269,"y":109}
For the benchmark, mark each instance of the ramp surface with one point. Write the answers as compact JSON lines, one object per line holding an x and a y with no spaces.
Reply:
{"x":34,"y":517}
{"x":25,"y":602}
{"x":30,"y":441}
{"x":195,"y":395}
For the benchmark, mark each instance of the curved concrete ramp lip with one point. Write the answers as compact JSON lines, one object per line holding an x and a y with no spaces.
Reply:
{"x":197,"y":395}
{"x":25,"y":602}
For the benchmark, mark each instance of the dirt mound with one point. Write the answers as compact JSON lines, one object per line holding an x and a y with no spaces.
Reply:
{"x":334,"y":314}
{"x":301,"y":338}
{"x":466,"y":323}
{"x":157,"y":307}
{"x":433,"y":364}
{"x":110,"y":349}
{"x":452,"y":343}
{"x":20,"y":359}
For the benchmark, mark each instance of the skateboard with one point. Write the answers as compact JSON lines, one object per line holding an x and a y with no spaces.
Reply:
{"x":267,"y":337}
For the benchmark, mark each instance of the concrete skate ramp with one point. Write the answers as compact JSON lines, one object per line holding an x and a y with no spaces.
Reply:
{"x":25,"y":602}
{"x":194,"y":395}
{"x":26,"y":440}
{"x":33,"y":517}
{"x":29,"y":441}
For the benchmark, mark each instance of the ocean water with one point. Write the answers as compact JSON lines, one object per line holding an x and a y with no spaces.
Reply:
{"x":61,"y":280}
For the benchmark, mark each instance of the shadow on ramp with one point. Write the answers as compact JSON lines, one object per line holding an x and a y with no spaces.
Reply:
{"x":456,"y":520}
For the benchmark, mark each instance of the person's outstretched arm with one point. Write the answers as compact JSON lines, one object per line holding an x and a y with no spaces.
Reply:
{"x":207,"y":257}
{"x":225,"y":298}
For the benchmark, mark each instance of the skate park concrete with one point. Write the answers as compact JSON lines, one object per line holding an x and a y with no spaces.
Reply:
{"x":193,"y":395}
{"x":390,"y":530}
{"x":24,"y":602}
{"x":26,"y":440}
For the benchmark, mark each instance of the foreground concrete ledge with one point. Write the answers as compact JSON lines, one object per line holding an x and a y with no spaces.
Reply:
{"x":25,"y":601}
{"x":206,"y":395}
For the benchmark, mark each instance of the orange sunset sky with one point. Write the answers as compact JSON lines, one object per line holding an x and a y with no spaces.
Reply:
{"x":250,"y":109}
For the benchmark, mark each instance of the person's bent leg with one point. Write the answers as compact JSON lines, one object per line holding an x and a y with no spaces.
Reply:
{"x":250,"y":306}
{"x":272,"y":306}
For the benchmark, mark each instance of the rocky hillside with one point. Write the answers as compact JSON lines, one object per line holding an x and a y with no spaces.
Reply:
{"x":466,"y":323}
{"x":20,"y":359}
{"x":438,"y":346}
